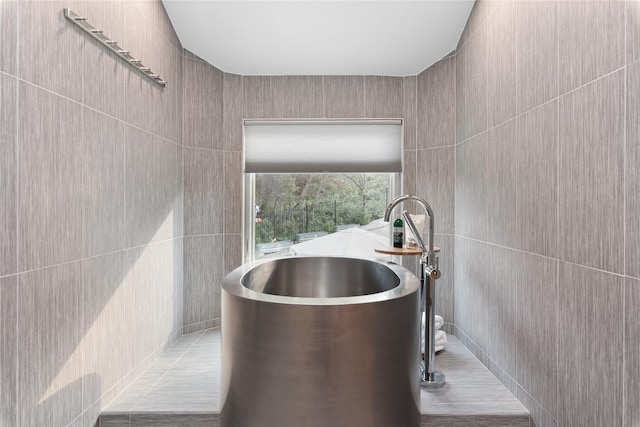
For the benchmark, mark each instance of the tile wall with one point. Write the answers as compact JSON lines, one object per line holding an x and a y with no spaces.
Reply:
{"x":546,"y":206}
{"x":91,"y":206}
{"x":213,"y":158}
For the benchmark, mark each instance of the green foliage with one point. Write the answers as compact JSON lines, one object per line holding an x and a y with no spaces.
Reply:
{"x":288,"y":204}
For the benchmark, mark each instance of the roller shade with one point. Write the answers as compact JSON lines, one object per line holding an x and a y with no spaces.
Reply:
{"x":322,"y":146}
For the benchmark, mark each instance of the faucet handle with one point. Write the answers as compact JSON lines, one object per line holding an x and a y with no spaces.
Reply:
{"x":435,"y":272}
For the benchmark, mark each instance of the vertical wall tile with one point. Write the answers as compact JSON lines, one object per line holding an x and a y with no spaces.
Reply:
{"x":153,"y":188}
{"x":344,"y":96}
{"x":471,"y":292}
{"x":537,"y":59}
{"x":302,"y":97}
{"x":233,"y":191}
{"x":461,"y":101}
{"x":475,"y":83}
{"x":444,"y":305}
{"x":591,"y":173}
{"x":232,"y":252}
{"x":409,"y":109}
{"x":103,"y":71}
{"x":141,"y":94}
{"x":138,"y":35}
{"x":49,"y":327}
{"x":590,"y":347}
{"x":633,"y":31}
{"x":537,"y":328}
{"x":481,"y":10}
{"x":50,"y":189}
{"x":103,"y":184}
{"x":42,"y":30}
{"x":164,"y":289}
{"x":167,"y":120}
{"x":502,"y":312}
{"x":204,"y":188}
{"x":461,"y":197}
{"x":476,"y":191}
{"x":165,"y":27}
{"x":435,"y":183}
{"x":262,"y":97}
{"x":631,"y":372}
{"x":9,"y":36}
{"x":460,"y":294}
{"x":179,"y":109}
{"x":137,"y":304}
{"x":502,"y":63}
{"x":436,"y":105}
{"x":501,"y":184}
{"x":107,"y":325}
{"x":584,"y":54}
{"x":8,"y":174}
{"x":203,"y":110}
{"x":409,"y":172}
{"x":537,"y":180}
{"x":104,"y":79}
{"x":539,"y":417}
{"x":178,"y":284}
{"x":8,"y":350}
{"x":632,"y":170}
{"x":140,"y":97}
{"x":232,"y":111}
{"x":382,"y":97}
{"x":203,"y":273}
{"x":149,"y":285}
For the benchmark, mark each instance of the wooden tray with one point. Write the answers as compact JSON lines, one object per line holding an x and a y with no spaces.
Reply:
{"x":390,"y":250}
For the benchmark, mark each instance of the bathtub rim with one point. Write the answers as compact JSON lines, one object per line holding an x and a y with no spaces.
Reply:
{"x":409,"y":283}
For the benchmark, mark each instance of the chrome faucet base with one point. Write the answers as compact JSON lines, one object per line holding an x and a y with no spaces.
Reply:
{"x":433,"y":380}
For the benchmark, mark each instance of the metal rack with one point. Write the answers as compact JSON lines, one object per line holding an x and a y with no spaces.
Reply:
{"x":81,"y":21}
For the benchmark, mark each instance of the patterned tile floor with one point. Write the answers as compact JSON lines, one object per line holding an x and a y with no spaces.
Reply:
{"x":182,"y":388}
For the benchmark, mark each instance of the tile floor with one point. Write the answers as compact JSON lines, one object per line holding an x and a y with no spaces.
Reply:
{"x":182,"y":388}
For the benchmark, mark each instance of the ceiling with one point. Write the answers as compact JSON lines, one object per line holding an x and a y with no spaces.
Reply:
{"x":366,"y":37}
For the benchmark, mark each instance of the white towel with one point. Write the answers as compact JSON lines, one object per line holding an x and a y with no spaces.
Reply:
{"x":438,"y":320}
{"x":440,"y":339}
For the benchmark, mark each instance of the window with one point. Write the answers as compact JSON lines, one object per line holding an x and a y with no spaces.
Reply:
{"x":306,"y":179}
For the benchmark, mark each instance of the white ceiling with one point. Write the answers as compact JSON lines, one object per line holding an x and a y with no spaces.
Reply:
{"x":366,"y":37}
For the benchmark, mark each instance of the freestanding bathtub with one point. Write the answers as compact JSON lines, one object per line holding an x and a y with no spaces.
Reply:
{"x":319,"y":342}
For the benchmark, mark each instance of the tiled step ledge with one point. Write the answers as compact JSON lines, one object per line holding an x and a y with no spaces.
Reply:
{"x":182,"y":388}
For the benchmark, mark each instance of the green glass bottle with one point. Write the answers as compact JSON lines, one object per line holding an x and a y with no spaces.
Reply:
{"x":398,"y":233}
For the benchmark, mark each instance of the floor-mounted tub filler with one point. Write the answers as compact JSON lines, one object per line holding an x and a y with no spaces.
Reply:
{"x":320,"y":341}
{"x":429,"y":272}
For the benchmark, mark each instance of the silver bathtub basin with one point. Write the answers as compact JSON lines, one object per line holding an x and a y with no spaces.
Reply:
{"x":320,"y":341}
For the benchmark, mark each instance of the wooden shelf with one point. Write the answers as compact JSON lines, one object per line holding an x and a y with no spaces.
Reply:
{"x":390,"y":250}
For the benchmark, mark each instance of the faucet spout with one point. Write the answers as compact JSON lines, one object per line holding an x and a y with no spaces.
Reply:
{"x":427,"y":253}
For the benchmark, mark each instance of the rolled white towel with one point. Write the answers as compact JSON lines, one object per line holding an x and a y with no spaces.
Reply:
{"x":440,"y":339}
{"x":438,"y":319}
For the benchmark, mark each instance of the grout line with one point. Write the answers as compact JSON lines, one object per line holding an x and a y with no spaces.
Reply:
{"x":17,"y":213}
{"x":153,"y":243}
{"x":543,"y":104}
{"x":625,"y":185}
{"x":121,"y":120}
{"x":542,"y":256}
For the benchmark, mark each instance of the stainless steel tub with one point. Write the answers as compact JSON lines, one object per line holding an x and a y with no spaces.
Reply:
{"x":320,"y":341}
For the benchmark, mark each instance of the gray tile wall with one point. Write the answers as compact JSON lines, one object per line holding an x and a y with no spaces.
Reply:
{"x":213,"y":177}
{"x":90,"y":207}
{"x":546,"y":205}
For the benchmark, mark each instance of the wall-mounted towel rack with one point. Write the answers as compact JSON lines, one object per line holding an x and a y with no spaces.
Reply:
{"x":81,"y":21}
